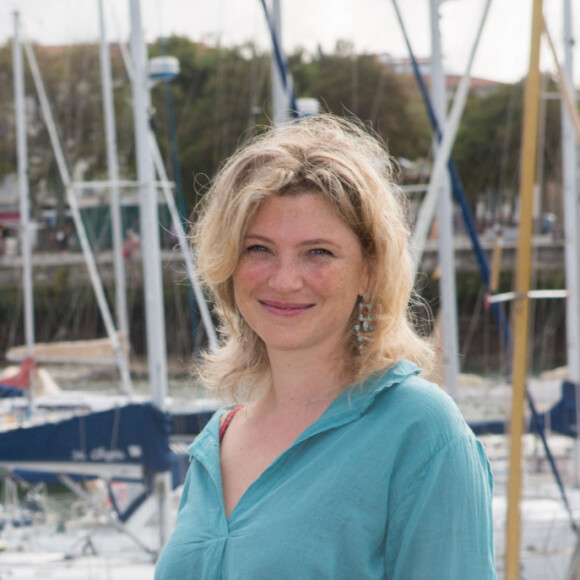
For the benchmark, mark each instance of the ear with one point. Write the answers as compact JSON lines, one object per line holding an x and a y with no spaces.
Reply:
{"x":368,"y":277}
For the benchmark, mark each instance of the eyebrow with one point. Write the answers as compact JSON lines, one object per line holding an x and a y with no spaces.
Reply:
{"x":314,"y":242}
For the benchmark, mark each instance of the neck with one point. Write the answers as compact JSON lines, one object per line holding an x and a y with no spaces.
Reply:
{"x":305,"y":379}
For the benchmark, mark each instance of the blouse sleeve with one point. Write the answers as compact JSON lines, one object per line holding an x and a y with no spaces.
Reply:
{"x":442,"y":526}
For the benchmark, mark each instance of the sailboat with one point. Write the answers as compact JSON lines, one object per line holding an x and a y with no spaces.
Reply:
{"x":539,"y":531}
{"x":127,"y":441}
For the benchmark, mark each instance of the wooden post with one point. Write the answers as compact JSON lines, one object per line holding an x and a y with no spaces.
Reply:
{"x":522,"y":286}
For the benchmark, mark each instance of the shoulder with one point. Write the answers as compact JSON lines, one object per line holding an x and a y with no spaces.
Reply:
{"x":423,"y":423}
{"x":420,"y":413}
{"x":209,"y":435}
{"x":410,"y":389}
{"x":428,"y":399}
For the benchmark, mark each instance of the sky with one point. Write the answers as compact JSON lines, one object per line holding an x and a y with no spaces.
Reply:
{"x":370,"y":25}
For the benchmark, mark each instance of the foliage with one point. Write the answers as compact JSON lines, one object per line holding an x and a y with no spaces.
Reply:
{"x":215,"y":99}
{"x":221,"y":98}
{"x":7,"y":154}
{"x":361,"y":85}
{"x":487,"y":148}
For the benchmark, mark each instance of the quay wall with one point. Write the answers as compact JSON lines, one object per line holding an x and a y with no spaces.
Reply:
{"x":65,"y":307}
{"x":548,"y":255}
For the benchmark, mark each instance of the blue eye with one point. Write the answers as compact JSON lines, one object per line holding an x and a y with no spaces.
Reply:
{"x":321,"y":252}
{"x":256,"y":248}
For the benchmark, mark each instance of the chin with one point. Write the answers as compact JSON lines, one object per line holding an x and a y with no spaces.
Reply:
{"x":282,"y":343}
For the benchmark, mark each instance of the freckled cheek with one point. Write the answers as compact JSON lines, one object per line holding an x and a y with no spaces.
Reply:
{"x":249,"y":275}
{"x":319,"y":279}
{"x":340,"y":286}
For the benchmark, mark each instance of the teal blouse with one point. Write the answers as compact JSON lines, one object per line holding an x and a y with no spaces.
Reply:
{"x":390,"y":482}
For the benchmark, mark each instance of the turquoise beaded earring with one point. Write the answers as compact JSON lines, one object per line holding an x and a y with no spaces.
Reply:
{"x":364,"y":326}
{"x":242,"y":339}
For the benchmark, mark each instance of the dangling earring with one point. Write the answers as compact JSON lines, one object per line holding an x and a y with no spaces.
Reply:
{"x":242,"y":339}
{"x":363,"y":327}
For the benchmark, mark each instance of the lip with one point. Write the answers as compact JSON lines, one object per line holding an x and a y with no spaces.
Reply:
{"x":285,"y":309}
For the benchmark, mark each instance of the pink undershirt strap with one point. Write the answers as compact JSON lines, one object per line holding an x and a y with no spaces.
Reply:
{"x":228,"y":420}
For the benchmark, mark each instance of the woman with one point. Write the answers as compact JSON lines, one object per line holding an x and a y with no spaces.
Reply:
{"x":341,"y":462}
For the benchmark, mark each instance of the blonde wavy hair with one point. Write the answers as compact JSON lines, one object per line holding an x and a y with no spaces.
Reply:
{"x":341,"y":161}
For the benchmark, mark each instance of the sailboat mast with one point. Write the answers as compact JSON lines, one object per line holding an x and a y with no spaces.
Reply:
{"x":184,"y":247}
{"x":444,"y":219}
{"x":113,"y":174}
{"x":22,"y":151}
{"x":152,"y":272}
{"x":279,"y":93}
{"x":522,"y":286}
{"x":571,"y":221}
{"x":77,"y":218}
{"x":571,"y":209}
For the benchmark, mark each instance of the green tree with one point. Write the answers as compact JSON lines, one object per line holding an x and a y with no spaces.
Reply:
{"x":488,"y":144}
{"x":486,"y":150}
{"x":215,"y":101}
{"x":365,"y":87}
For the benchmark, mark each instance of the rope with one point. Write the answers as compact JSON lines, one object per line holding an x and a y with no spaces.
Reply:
{"x":458,"y":190}
{"x":540,"y":429}
{"x":481,"y":259}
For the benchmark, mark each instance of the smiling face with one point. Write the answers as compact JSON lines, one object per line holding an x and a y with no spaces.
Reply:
{"x":300,"y":274}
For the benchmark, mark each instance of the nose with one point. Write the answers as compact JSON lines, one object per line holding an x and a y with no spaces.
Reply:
{"x":286,"y":275}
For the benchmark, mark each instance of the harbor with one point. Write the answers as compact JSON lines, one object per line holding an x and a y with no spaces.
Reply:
{"x":548,"y":256}
{"x":103,"y":318}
